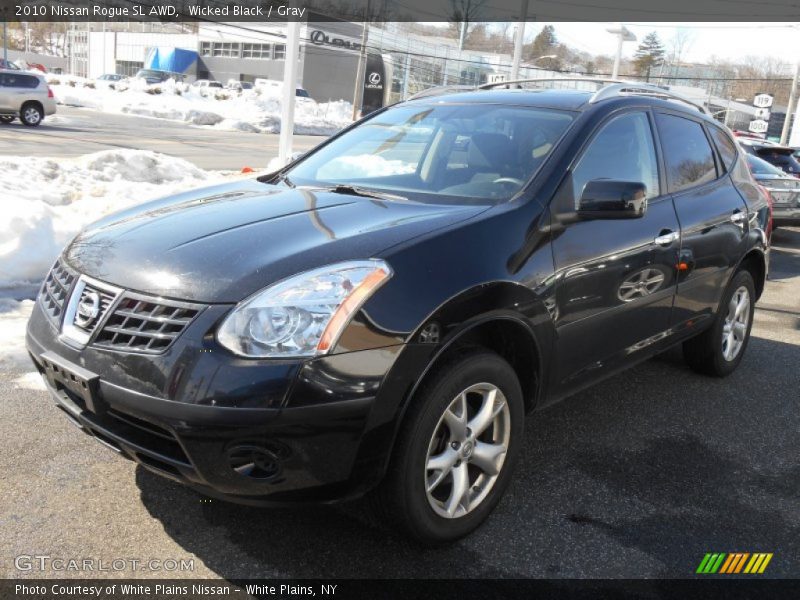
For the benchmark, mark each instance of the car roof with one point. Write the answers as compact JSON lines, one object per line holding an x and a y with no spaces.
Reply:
{"x":38,"y":74}
{"x":545,"y":98}
{"x":564,"y":99}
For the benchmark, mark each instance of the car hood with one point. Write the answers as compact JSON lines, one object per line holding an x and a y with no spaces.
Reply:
{"x":223,"y":243}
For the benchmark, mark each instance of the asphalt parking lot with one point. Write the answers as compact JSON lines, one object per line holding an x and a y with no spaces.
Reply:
{"x":72,"y":132}
{"x":637,"y":477}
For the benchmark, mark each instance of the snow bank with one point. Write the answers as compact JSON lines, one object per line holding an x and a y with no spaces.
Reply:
{"x":45,"y":202}
{"x":256,"y":111}
{"x":13,"y":319}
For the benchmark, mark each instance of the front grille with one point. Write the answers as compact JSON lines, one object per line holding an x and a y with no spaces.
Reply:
{"x":55,"y":290}
{"x":106,"y":300}
{"x":145,"y":325}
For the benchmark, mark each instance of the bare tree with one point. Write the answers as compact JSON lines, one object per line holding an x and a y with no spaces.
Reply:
{"x":464,"y":14}
{"x":679,"y":45}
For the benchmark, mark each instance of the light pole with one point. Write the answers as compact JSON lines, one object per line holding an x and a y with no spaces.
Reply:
{"x":518,"y":41}
{"x":289,"y":91}
{"x":623,"y":35}
{"x":358,"y":93}
{"x":791,"y":107}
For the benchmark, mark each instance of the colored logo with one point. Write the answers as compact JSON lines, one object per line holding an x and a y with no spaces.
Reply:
{"x":734,"y":563}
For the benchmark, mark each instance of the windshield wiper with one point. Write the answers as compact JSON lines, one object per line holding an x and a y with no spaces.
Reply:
{"x":352,"y":190}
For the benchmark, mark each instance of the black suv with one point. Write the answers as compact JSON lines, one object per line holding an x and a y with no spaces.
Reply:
{"x":380,"y":316}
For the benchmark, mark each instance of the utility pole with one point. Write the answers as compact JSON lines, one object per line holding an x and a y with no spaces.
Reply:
{"x":358,"y":92}
{"x":5,"y":43}
{"x":289,"y":91}
{"x":519,"y":39}
{"x":623,"y":35}
{"x":792,"y":106}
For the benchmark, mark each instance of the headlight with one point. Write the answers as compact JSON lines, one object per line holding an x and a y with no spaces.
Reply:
{"x":304,"y":314}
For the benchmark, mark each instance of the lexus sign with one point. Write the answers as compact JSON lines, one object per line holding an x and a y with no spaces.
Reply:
{"x":320,"y":38}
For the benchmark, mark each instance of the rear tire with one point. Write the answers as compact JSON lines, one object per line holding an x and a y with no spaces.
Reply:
{"x":452,"y":461}
{"x":31,"y":115}
{"x":719,"y":350}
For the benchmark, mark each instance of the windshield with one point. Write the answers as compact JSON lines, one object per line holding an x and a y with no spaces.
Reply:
{"x":761,"y":167}
{"x":455,"y":154}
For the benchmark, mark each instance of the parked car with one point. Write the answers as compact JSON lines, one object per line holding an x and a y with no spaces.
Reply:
{"x":204,"y":87}
{"x":238,"y":86}
{"x":25,"y":95}
{"x":274,"y":86}
{"x":379,"y":316}
{"x":7,"y":64}
{"x":783,"y":189}
{"x":154,"y":76}
{"x":775,"y":154}
{"x":110,"y":81}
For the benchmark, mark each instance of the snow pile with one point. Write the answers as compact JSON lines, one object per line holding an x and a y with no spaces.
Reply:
{"x":45,"y":202}
{"x":13,"y":319}
{"x":256,"y":110}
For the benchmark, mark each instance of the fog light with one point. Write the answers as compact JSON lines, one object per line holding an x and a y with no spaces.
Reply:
{"x":254,"y":462}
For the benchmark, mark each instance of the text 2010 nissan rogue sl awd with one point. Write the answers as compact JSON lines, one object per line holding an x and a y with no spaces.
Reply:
{"x":380,"y":316}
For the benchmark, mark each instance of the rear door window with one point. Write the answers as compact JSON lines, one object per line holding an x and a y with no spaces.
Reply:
{"x":688,"y":156}
{"x":19,"y":80}
{"x":725,"y":147}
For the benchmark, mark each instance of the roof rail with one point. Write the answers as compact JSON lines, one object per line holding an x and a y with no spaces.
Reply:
{"x":642,"y":89}
{"x":488,"y":86}
{"x":611,"y":88}
{"x":440,"y":91}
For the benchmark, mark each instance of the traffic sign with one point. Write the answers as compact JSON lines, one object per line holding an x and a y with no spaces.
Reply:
{"x":762,"y":101}
{"x":758,"y":126}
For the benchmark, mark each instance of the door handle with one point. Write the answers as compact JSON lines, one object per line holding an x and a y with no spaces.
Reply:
{"x":665,"y":239}
{"x":738,"y":218}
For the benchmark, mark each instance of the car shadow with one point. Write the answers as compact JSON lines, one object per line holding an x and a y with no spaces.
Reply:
{"x":784,"y":254}
{"x":624,"y":479}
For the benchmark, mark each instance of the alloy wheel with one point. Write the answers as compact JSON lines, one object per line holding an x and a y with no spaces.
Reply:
{"x":467,"y":450}
{"x":32,"y":115}
{"x":734,"y":329}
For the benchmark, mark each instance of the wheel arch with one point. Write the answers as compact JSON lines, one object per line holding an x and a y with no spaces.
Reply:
{"x":755,"y":262}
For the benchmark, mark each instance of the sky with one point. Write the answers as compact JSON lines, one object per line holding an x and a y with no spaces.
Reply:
{"x":725,"y":40}
{"x":730,"y":41}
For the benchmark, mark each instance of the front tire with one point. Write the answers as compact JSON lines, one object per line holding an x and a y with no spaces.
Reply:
{"x":719,"y":350}
{"x":456,"y":450}
{"x":31,"y":115}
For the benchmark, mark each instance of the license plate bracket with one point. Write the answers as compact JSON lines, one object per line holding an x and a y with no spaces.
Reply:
{"x":62,"y":374}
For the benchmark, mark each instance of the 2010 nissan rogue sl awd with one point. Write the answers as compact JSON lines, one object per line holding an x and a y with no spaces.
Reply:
{"x":380,"y":316}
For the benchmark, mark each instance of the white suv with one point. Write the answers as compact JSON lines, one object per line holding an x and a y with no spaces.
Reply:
{"x":25,"y":95}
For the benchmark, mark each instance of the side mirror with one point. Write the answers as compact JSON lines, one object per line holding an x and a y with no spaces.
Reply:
{"x":610,"y":199}
{"x":295,"y":155}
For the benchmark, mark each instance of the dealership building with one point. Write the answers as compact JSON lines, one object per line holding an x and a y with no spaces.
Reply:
{"x":328,"y":60}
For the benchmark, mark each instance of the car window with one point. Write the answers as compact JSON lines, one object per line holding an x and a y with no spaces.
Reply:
{"x":19,"y":80}
{"x":687,"y":154}
{"x":725,"y":147}
{"x":761,"y":167}
{"x":440,"y":153}
{"x":623,"y":150}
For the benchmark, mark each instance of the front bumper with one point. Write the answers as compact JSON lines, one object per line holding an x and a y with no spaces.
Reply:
{"x":260,"y":432}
